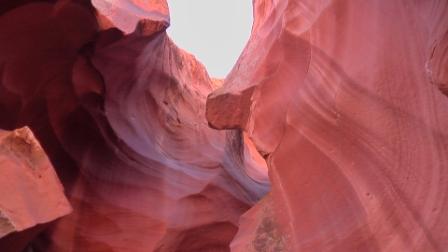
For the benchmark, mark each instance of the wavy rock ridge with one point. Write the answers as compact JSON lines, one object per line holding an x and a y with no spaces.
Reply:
{"x":335,"y":107}
{"x":342,"y":99}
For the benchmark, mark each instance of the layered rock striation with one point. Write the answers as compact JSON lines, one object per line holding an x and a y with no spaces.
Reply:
{"x":343,"y":99}
{"x":328,"y":134}
{"x":122,"y":118}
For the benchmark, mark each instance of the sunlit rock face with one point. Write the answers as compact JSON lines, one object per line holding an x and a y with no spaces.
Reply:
{"x":328,"y":135}
{"x":344,"y":100}
{"x":125,"y":14}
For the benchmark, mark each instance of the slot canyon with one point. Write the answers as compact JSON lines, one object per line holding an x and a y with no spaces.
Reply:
{"x":326,"y":135}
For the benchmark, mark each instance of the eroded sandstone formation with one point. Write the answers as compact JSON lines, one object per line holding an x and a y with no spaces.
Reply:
{"x":122,"y":118}
{"x":342,"y":99}
{"x":339,"y":105}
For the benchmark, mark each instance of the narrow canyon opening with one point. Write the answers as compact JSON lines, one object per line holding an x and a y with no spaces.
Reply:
{"x":214,"y":31}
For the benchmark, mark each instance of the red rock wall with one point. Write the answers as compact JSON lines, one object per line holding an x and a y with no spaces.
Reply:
{"x":342,"y":99}
{"x":123,"y":121}
{"x":342,"y":103}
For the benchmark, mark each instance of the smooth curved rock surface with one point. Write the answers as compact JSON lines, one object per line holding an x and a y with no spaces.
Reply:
{"x":342,"y":99}
{"x":122,"y":117}
{"x":340,"y":105}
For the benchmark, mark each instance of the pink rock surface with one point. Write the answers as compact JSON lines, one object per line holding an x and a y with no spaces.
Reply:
{"x":123,"y":120}
{"x":125,"y":14}
{"x":340,"y":105}
{"x":183,"y":182}
{"x":30,"y":191}
{"x":342,"y":99}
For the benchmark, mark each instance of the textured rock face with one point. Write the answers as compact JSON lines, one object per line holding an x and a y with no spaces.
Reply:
{"x":342,"y":103}
{"x":342,"y":99}
{"x":30,"y":191}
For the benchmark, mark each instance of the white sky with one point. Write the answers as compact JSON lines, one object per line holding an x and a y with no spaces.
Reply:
{"x":215,"y":31}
